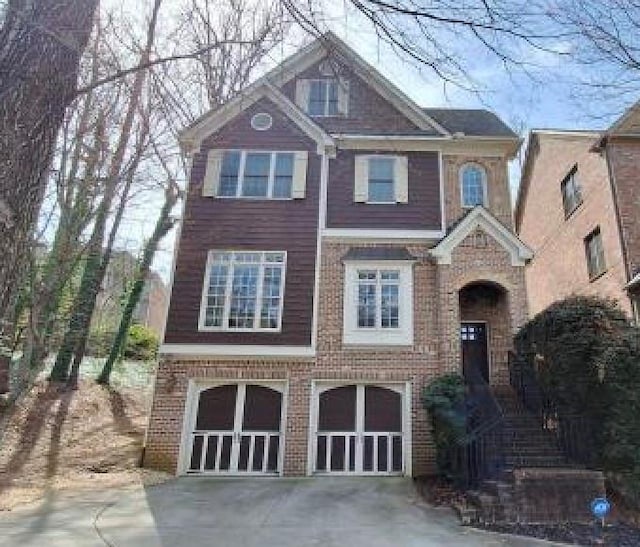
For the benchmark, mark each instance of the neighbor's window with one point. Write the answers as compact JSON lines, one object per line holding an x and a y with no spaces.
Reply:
{"x":595,"y":253}
{"x":378,"y":299}
{"x":256,"y":174}
{"x":323,"y":97}
{"x":381,"y":180}
{"x":571,"y":193}
{"x":473,"y":183}
{"x":243,"y":291}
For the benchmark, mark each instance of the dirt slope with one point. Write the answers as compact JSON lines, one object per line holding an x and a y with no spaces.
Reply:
{"x":89,"y":438}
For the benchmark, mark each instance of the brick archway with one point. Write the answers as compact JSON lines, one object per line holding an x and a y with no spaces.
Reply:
{"x":485,"y":331}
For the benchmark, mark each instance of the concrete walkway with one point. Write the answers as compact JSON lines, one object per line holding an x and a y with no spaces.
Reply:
{"x":191,"y":512}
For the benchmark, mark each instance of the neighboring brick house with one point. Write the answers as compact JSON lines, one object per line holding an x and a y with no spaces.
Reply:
{"x":340,"y":247}
{"x":578,"y":208}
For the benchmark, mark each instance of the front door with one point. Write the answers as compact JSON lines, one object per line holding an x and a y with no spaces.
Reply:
{"x":237,"y":430}
{"x":475,"y":358}
{"x":359,"y":430}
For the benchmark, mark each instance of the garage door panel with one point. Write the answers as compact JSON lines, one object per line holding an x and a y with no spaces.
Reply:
{"x":216,"y":408}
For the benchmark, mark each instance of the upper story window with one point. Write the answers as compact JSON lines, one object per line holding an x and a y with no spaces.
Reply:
{"x":571,"y":192}
{"x":381,"y":179}
{"x":378,"y":303}
{"x":255,"y":174}
{"x":473,"y":185}
{"x":595,"y":254}
{"x":323,"y":96}
{"x":243,"y":291}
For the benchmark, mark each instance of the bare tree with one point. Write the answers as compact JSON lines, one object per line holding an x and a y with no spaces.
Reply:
{"x":41,"y":42}
{"x":606,"y":47}
{"x":75,"y":338}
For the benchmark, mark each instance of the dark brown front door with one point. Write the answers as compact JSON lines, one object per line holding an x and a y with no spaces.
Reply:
{"x":475,"y":360}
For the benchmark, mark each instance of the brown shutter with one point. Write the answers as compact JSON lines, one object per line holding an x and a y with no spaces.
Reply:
{"x":211,"y":181}
{"x":299,"y":183}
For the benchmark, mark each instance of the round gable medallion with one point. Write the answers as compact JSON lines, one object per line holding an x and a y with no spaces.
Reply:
{"x":261,"y":121}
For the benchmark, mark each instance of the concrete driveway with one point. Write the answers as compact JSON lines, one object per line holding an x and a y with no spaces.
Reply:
{"x":189,"y":512}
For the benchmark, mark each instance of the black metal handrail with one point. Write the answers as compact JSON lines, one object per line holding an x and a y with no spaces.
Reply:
{"x":574,"y":432}
{"x":477,"y":453}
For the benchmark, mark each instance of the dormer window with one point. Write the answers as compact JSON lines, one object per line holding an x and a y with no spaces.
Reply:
{"x":473,"y":186}
{"x":323,"y":97}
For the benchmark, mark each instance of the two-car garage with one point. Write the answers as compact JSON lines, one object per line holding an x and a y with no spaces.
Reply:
{"x":237,"y":428}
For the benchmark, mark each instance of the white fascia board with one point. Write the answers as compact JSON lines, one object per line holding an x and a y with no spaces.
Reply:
{"x":381,"y":234}
{"x":235,"y":350}
{"x":192,"y":137}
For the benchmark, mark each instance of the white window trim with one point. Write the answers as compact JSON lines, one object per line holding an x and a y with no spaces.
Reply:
{"x":225,"y":320}
{"x":378,"y":336}
{"x":272,"y":170}
{"x":484,"y":184}
{"x":326,"y":102}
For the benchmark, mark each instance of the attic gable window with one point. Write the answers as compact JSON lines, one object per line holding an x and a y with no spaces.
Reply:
{"x":571,"y":192}
{"x":323,"y":97}
{"x":255,"y":174}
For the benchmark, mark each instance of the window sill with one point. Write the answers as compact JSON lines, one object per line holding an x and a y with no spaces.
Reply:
{"x":239,"y":331}
{"x":251,"y":198}
{"x":382,"y":202}
{"x":597,"y":276}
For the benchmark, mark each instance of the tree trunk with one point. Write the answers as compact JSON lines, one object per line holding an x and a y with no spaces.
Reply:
{"x":41,"y":42}
{"x":163,"y":225}
{"x":75,"y":337}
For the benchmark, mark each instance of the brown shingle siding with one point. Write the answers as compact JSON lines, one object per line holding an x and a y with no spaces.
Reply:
{"x":251,"y":224}
{"x":423,"y":212}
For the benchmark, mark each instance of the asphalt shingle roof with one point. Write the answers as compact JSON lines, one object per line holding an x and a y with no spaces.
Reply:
{"x":378,"y":253}
{"x":471,"y":122}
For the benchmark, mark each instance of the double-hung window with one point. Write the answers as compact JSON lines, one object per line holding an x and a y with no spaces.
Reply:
{"x":323,"y":97}
{"x":243,"y":291}
{"x":381,"y":179}
{"x":256,"y":174}
{"x":595,"y":254}
{"x":571,"y":193}
{"x":378,"y":303}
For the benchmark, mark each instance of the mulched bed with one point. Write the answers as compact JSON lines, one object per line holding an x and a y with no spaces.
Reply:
{"x":615,"y":535}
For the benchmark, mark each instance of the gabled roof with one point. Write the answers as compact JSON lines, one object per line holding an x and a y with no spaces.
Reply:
{"x":471,"y":122}
{"x":627,"y":125}
{"x":192,"y":136}
{"x":479,"y":217}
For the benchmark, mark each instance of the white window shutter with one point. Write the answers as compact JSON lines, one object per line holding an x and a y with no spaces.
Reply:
{"x":211,"y":182}
{"x":361,"y":182}
{"x":401,"y":175}
{"x":303,"y":88}
{"x":343,"y":96}
{"x":299,"y":183}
